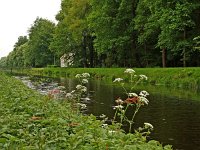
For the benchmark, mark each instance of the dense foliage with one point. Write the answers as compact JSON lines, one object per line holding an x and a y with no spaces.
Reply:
{"x":114,"y":33}
{"x":31,"y":121}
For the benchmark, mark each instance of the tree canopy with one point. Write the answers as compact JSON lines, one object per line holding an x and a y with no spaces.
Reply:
{"x":114,"y":33}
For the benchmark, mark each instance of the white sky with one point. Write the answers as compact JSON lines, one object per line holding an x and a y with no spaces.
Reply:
{"x":17,"y":16}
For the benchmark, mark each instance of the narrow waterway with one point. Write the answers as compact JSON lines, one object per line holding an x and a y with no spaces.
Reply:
{"x":175,"y":114}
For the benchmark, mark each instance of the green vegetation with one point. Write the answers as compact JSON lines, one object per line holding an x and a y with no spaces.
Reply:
{"x":117,"y":33}
{"x":183,"y":78}
{"x":31,"y":121}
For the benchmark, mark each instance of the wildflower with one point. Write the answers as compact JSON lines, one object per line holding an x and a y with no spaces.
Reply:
{"x":78,"y":76}
{"x":118,"y":80}
{"x":79,"y":87}
{"x":61,"y":88}
{"x":69,"y":95}
{"x":111,"y":131}
{"x":132,"y":95}
{"x":72,"y":92}
{"x":130,"y":71}
{"x":104,"y":125}
{"x":148,"y":125}
{"x":143,"y":100}
{"x":83,"y":106}
{"x":85,"y":75}
{"x":119,"y":101}
{"x":143,"y":77}
{"x":144,"y":93}
{"x":85,"y":99}
{"x":118,"y":107}
{"x":102,"y":116}
{"x":84,"y":89}
{"x":84,"y":81}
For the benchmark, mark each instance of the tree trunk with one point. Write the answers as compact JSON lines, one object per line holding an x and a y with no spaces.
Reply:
{"x":84,"y":53}
{"x":133,"y":39}
{"x":184,"y":51}
{"x":91,"y":49}
{"x":163,"y":57}
{"x":145,"y":50}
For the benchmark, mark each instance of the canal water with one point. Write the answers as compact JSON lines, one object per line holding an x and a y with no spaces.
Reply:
{"x":174,"y":113}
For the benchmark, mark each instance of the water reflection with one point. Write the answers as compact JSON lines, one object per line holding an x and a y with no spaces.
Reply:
{"x":174,"y":113}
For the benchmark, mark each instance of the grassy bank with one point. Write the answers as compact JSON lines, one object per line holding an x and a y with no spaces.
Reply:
{"x":29,"y":121}
{"x":188,"y":78}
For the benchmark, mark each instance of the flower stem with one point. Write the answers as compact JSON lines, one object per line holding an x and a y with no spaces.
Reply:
{"x":131,"y":122}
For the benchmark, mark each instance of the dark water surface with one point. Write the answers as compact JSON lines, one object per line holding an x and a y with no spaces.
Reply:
{"x":175,"y":114}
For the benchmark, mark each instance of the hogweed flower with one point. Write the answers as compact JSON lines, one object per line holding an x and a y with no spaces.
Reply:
{"x":111,"y":131}
{"x":130,"y":71}
{"x":148,"y":125}
{"x":83,"y":106}
{"x":78,"y":76}
{"x":144,"y":93}
{"x":69,"y":95}
{"x":143,"y":77}
{"x":118,"y":80}
{"x":61,"y":88}
{"x":119,"y":101}
{"x":102,"y":116}
{"x":118,"y":107}
{"x":143,"y":100}
{"x":132,"y":95}
{"x":72,"y":92}
{"x":104,"y":125}
{"x":84,"y":81}
{"x":81,"y":88}
{"x":85,"y":75}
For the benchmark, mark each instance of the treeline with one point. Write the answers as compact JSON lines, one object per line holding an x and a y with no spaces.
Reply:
{"x":114,"y":33}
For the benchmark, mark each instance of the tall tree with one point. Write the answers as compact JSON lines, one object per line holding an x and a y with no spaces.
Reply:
{"x":168,"y":22}
{"x":40,"y":37}
{"x":112,"y":24}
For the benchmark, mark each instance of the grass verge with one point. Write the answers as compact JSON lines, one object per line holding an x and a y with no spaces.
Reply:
{"x":186,"y":78}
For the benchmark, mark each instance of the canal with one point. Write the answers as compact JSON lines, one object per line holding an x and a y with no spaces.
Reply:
{"x":174,"y":113}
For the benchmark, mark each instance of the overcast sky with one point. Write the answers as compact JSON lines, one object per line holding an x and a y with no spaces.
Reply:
{"x":17,"y":16}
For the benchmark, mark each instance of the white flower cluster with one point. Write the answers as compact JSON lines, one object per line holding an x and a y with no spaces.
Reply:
{"x":84,"y":81}
{"x":144,"y":93}
{"x":143,"y":77}
{"x":130,"y":71}
{"x":61,"y":88}
{"x":102,"y":116}
{"x":118,"y":107}
{"x":142,"y":97}
{"x":83,"y":106}
{"x":78,"y":76}
{"x":81,"y":88}
{"x":83,"y":75}
{"x":148,"y":125}
{"x":119,"y":101}
{"x":118,"y":80}
{"x":143,"y":100}
{"x":132,"y":95}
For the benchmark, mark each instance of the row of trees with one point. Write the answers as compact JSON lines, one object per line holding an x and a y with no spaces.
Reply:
{"x":114,"y":33}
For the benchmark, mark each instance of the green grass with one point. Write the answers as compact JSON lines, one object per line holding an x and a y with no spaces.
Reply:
{"x":187,"y":78}
{"x":29,"y":121}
